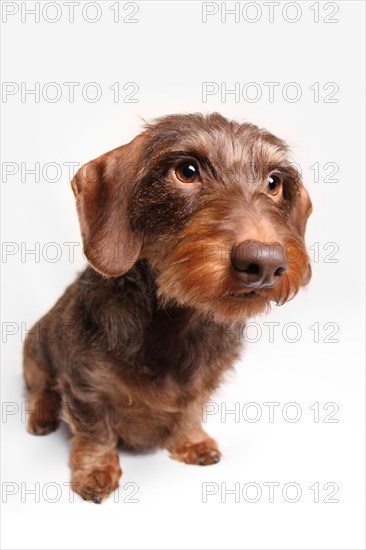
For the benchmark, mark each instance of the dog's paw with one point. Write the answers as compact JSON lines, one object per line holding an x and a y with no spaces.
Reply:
{"x":203,"y":453}
{"x":41,"y":425}
{"x":44,"y":416}
{"x":95,"y":485}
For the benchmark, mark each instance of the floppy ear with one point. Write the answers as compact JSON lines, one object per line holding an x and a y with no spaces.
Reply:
{"x":301,"y":211}
{"x":102,"y":190}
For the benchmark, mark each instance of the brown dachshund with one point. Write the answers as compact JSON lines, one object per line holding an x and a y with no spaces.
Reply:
{"x":193,"y":227}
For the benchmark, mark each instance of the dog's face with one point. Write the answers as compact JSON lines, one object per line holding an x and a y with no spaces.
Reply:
{"x":215,"y":206}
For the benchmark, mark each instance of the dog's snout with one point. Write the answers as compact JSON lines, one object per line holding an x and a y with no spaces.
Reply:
{"x":259,"y":265}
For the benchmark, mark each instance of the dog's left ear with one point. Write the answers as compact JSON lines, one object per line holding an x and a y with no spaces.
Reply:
{"x":102,"y":190}
{"x":301,"y":211}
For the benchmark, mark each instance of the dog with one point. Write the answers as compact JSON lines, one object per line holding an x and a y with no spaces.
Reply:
{"x":190,"y":229}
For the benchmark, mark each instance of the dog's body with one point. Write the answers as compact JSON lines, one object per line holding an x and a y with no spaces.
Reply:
{"x":131,"y":353}
{"x":127,"y":364}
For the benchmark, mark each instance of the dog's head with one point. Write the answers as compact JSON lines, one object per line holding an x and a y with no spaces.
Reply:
{"x":215,"y":206}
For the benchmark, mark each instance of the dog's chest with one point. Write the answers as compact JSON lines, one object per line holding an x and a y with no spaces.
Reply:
{"x":187,"y":348}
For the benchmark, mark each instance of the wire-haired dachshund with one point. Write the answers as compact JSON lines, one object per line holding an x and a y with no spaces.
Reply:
{"x":194,"y":226}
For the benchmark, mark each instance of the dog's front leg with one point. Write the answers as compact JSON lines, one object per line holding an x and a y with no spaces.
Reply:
{"x":95,"y":468}
{"x":191,"y":444}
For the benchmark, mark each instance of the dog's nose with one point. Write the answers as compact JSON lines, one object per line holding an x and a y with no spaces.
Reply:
{"x":259,"y":265}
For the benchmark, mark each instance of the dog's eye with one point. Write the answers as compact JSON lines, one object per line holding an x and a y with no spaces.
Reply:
{"x":187,"y":172}
{"x":274,"y":184}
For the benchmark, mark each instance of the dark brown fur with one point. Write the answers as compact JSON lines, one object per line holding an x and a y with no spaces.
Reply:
{"x":139,"y":342}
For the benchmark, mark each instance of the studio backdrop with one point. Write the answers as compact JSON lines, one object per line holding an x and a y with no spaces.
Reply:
{"x":82,"y":78}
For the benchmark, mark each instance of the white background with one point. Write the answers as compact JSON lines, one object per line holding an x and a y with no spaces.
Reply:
{"x":169,"y":53}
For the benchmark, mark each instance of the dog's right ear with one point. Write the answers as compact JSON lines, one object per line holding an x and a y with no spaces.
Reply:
{"x":102,"y":190}
{"x":302,"y":211}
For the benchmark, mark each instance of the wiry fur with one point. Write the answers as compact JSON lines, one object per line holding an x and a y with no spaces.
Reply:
{"x":138,"y":343}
